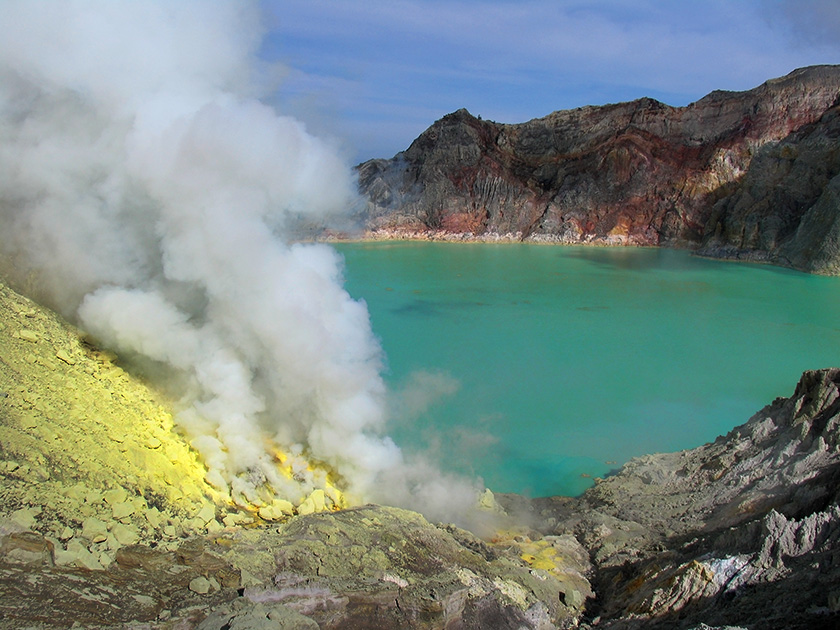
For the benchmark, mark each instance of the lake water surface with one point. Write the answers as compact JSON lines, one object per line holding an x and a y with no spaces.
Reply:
{"x":538,"y":367}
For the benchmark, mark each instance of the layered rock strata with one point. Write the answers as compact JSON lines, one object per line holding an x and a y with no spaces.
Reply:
{"x":743,"y":174}
{"x":786,"y":208}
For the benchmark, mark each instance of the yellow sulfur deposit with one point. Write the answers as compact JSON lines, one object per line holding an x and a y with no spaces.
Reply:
{"x":543,"y":556}
{"x":84,"y":442}
{"x":71,"y":417}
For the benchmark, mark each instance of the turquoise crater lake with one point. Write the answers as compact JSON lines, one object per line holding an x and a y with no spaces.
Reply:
{"x":539,"y":367}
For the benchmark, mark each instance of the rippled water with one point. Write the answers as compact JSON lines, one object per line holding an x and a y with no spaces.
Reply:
{"x":538,"y":367}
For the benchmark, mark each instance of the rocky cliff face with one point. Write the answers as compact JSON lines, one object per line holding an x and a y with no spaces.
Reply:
{"x":742,"y":173}
{"x":786,"y":208}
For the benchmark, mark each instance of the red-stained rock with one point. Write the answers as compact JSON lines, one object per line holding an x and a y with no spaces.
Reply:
{"x":640,"y":173}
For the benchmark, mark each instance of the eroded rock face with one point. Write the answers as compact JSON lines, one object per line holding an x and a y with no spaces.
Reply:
{"x":740,"y":531}
{"x":744,"y":173}
{"x":785,"y":210}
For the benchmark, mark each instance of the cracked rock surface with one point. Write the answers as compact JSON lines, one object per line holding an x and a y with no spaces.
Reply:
{"x":743,"y":531}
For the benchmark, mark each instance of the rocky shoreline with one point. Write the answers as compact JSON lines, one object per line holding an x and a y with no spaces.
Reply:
{"x":105,"y":532}
{"x":748,"y":175}
{"x":446,"y":236}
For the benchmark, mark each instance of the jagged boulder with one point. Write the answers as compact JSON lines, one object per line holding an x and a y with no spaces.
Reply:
{"x":741,"y":530}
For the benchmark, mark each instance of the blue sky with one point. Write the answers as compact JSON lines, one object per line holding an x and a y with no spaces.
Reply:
{"x":375,"y":73}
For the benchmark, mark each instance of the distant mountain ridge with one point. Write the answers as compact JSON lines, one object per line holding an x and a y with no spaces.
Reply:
{"x":750,"y":175}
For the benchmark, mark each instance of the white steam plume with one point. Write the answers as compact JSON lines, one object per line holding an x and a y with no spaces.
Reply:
{"x":147,"y":189}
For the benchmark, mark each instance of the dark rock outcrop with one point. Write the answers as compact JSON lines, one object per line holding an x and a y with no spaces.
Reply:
{"x":787,"y":207}
{"x":744,"y":174}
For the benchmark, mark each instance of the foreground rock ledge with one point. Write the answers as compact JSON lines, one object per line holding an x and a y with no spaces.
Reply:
{"x":366,"y":567}
{"x":742,"y":532}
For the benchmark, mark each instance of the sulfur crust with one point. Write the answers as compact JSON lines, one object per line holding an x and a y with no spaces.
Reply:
{"x":83,"y":441}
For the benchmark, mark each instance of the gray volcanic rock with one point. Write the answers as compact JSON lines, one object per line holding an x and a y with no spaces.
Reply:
{"x":144,"y":585}
{"x":380,"y":567}
{"x":743,"y":531}
{"x":369,"y":567}
{"x":744,"y":173}
{"x":786,"y":209}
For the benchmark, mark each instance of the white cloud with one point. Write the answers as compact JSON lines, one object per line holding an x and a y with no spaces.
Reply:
{"x":511,"y":61}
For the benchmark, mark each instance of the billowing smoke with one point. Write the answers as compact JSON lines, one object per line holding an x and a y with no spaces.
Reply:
{"x":145,"y":191}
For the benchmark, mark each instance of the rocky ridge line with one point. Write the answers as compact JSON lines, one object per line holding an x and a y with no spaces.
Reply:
{"x":750,"y":175}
